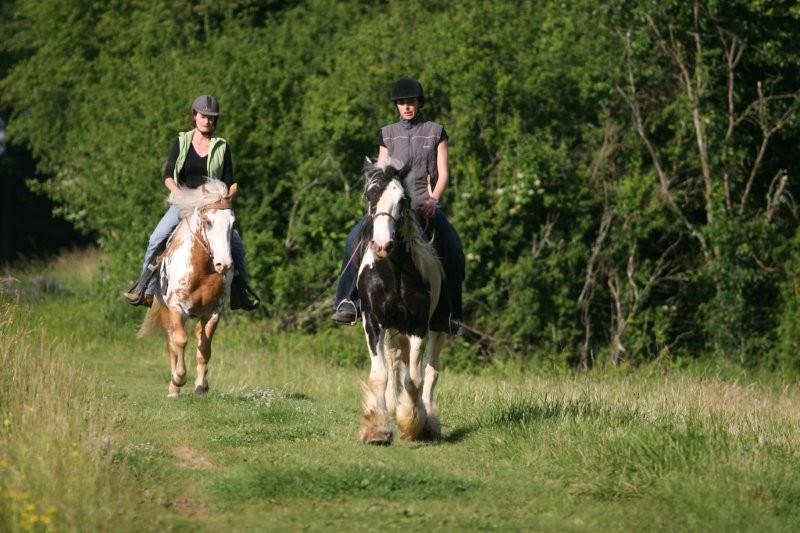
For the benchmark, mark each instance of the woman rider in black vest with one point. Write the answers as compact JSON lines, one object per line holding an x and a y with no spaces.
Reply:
{"x":422,"y":144}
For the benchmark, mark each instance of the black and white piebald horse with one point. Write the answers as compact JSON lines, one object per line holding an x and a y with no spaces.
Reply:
{"x":400,"y":280}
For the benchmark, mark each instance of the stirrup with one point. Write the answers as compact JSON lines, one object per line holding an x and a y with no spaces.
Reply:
{"x":454,"y":327}
{"x":343,"y":316}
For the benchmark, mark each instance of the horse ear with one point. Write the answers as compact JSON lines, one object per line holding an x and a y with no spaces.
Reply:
{"x":232,"y":191}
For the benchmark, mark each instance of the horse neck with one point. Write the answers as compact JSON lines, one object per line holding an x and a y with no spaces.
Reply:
{"x":192,"y":238}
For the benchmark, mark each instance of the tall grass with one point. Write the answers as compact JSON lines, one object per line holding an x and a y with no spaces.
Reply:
{"x":57,"y":470}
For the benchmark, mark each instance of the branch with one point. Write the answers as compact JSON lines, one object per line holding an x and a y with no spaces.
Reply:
{"x":733,"y":50}
{"x":767,"y":132}
{"x":693,"y":86}
{"x":773,"y":198}
{"x":590,"y":280}
{"x":630,"y":97}
{"x":541,"y":240}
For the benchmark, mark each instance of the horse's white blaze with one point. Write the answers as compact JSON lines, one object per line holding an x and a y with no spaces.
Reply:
{"x":389,"y":202}
{"x":219,"y":238}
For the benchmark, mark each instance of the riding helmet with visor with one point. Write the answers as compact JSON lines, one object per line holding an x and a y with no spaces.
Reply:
{"x":407,"y":88}
{"x":206,"y":104}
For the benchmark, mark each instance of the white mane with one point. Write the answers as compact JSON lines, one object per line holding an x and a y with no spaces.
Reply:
{"x":212,"y":191}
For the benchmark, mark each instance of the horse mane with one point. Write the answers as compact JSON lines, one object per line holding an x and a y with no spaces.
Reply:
{"x":212,"y":191}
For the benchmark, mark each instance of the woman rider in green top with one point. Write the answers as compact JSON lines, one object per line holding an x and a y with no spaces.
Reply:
{"x":194,"y":156}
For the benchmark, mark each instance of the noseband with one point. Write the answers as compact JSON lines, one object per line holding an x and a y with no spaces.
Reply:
{"x":384,"y":214}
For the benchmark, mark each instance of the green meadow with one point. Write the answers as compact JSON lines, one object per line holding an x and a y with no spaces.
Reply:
{"x":90,"y":442}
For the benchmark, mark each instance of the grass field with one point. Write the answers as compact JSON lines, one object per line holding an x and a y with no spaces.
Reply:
{"x":90,"y":442}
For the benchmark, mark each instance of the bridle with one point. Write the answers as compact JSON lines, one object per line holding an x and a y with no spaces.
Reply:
{"x":383,"y":214}
{"x":223,"y":203}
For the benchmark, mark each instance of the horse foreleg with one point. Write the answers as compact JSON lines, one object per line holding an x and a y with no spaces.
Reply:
{"x":410,"y":413}
{"x":391,"y":356}
{"x":177,"y":340}
{"x":375,"y":418}
{"x":433,"y":427}
{"x":204,"y":333}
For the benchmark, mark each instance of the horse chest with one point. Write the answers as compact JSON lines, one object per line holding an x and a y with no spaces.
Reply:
{"x":395,"y":295}
{"x":191,"y":284}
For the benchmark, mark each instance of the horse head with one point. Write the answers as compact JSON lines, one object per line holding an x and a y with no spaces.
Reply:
{"x":209,"y":211}
{"x":387,"y":204}
{"x":216,"y":222}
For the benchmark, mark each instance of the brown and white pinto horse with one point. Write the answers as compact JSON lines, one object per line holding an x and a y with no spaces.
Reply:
{"x":194,"y":278}
{"x":399,"y":282}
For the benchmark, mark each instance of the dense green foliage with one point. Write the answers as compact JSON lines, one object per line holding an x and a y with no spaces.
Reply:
{"x":623,"y":174}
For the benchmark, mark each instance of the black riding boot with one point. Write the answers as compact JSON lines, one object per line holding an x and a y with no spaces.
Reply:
{"x":242,"y":296}
{"x":136,"y":295}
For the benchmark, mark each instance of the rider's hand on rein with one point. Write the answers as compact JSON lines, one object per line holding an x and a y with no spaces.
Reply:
{"x":428,"y":207}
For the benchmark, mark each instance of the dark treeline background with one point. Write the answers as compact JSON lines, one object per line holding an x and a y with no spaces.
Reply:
{"x":624,"y":175}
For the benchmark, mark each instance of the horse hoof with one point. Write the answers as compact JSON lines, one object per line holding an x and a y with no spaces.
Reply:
{"x":376,"y":436}
{"x":201,"y":390}
{"x":432,"y":429}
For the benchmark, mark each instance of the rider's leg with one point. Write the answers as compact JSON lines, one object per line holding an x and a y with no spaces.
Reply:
{"x":144,"y":287}
{"x":346,"y":302}
{"x":242,"y":297}
{"x":448,"y":246}
{"x":158,"y":239}
{"x":237,"y":251}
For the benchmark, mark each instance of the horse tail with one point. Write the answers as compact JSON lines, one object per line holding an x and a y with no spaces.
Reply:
{"x":152,"y":320}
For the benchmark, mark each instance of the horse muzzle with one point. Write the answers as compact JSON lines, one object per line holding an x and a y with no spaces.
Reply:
{"x":222,"y":267}
{"x":382,"y":251}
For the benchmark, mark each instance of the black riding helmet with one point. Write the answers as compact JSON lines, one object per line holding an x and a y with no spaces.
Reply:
{"x":408,"y":88}
{"x":206,"y":104}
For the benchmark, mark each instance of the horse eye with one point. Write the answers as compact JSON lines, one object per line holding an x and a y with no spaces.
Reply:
{"x":207,"y":223}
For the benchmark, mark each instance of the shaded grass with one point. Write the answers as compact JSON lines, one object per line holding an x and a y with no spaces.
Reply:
{"x":338,"y":481}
